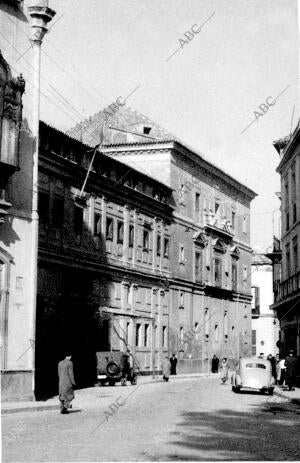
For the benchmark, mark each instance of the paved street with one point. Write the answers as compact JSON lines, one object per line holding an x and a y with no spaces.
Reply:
{"x":188,"y":419}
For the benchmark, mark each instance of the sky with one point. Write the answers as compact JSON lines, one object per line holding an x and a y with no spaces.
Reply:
{"x":206,"y":94}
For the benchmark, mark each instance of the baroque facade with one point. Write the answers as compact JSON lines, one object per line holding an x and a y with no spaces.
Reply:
{"x":286,"y":255}
{"x":16,"y":148}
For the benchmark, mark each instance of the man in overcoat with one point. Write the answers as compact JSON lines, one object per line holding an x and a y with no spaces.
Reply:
{"x":66,"y":383}
{"x":173,"y":361}
{"x":291,"y":370}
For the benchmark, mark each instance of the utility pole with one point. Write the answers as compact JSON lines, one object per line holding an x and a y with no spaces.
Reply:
{"x":40,"y":15}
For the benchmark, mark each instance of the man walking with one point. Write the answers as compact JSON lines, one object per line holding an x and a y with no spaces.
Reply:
{"x":173,"y":361}
{"x":291,"y":369}
{"x":66,"y":383}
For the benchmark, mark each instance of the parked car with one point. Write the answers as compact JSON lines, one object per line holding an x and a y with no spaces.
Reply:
{"x":253,"y":374}
{"x":113,"y":367}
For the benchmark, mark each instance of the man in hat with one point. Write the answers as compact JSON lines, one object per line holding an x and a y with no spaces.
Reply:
{"x":66,"y":383}
{"x":291,"y":369}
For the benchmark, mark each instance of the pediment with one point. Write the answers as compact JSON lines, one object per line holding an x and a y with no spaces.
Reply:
{"x":200,"y":238}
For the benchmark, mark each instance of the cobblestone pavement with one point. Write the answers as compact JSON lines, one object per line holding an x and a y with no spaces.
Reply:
{"x":196,"y":419}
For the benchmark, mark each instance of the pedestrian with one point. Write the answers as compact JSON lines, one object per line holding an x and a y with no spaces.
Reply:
{"x":277,"y":359}
{"x":282,"y":369}
{"x":291,"y":370}
{"x":166,"y":369}
{"x":173,"y":361}
{"x":224,"y":370}
{"x":273,"y":365}
{"x":215,"y":364}
{"x":66,"y":383}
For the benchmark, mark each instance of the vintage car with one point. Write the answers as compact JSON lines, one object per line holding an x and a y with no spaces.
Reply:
{"x":253,"y":374}
{"x":113,"y":367}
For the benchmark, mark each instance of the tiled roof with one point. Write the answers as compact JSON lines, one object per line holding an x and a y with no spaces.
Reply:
{"x":129,"y":122}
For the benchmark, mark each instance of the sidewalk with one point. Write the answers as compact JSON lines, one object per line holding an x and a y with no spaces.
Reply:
{"x":293,"y":396}
{"x":85,"y":396}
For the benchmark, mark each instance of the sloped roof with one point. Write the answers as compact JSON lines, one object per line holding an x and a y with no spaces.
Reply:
{"x":125,"y":121}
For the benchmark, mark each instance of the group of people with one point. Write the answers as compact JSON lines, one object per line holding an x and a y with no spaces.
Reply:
{"x":169,"y":367}
{"x":285,"y":370}
{"x":224,"y":367}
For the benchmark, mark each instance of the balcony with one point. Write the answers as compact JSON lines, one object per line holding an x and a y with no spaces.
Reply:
{"x":287,"y":288}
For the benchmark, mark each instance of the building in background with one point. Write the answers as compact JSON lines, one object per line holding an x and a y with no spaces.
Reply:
{"x":265,"y":327}
{"x":286,"y":257}
{"x":210,"y":252}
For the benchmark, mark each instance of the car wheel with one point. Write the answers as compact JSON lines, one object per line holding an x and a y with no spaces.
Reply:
{"x":112,"y":369}
{"x":270,"y":391}
{"x":123,"y":382}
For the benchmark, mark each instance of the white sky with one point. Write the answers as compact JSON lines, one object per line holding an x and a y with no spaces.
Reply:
{"x":206,"y":94}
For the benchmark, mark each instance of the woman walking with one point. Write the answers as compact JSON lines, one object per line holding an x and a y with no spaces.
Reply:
{"x":224,"y":370}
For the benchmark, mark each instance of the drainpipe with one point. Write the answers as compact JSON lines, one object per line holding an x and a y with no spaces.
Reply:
{"x":40,"y":15}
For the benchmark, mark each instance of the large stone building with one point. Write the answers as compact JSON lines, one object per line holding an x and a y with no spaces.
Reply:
{"x":265,"y":327}
{"x":103,"y":261}
{"x":210,"y":252}
{"x":287,"y":269}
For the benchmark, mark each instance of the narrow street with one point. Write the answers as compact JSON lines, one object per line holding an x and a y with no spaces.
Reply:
{"x":186,"y":419}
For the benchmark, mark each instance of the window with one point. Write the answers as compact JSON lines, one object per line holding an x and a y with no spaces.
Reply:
{"x":146,"y":240}
{"x":58,"y":212}
{"x":131,"y":235}
{"x":218,"y":271}
{"x":288,"y":260}
{"x":233,"y":220}
{"x":120,"y":232}
{"x":287,"y":220}
{"x":225,"y":325}
{"x":97,"y":224}
{"x":198,"y":267}
{"x":245,"y":273}
{"x":181,"y":333}
{"x":206,"y":323}
{"x":78,"y":219}
{"x":196,"y":326}
{"x":234,"y":275}
{"x":244,"y":224}
{"x":216,"y":332}
{"x":164,"y":337}
{"x":138,"y":335}
{"x":253,"y":342}
{"x":181,"y":254}
{"x":166,"y":248}
{"x":109,"y":228}
{"x":44,"y":207}
{"x":127,"y":332}
{"x":146,"y":335}
{"x":295,"y":253}
{"x":158,"y":245}
{"x":197,"y":204}
{"x":294,"y":212}
{"x":255,"y":303}
{"x":217,"y":206}
{"x":181,"y":300}
{"x":286,"y":192}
